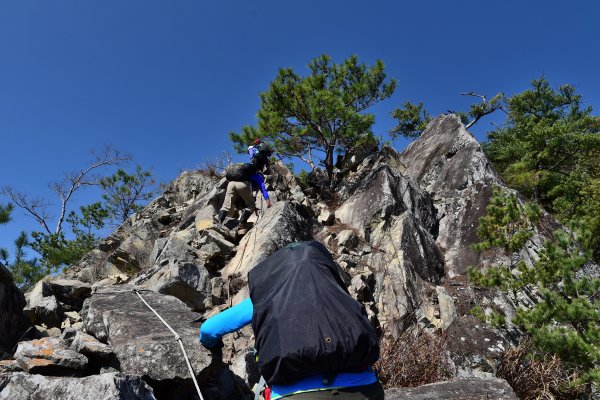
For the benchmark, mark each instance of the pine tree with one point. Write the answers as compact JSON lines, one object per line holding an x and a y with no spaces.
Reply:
{"x":412,"y":120}
{"x":564,"y":321}
{"x":312,"y":117}
{"x":549,"y":150}
{"x":25,"y":272}
{"x":123,"y":192}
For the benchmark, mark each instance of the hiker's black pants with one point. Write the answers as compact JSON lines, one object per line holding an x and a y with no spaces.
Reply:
{"x":367,"y":392}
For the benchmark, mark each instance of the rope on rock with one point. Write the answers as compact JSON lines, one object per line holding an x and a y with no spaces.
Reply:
{"x":178,"y":340}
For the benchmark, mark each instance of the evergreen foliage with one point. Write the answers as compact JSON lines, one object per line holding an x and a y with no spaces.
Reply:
{"x":5,"y":211}
{"x":123,"y":193}
{"x":57,"y":251}
{"x":25,"y":272}
{"x":412,"y":120}
{"x":549,"y":150}
{"x":564,"y":321}
{"x":312,"y":117}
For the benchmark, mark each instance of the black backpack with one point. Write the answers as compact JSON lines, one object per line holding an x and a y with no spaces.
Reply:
{"x":239,"y":172}
{"x":262,"y":152}
{"x":304,"y":320}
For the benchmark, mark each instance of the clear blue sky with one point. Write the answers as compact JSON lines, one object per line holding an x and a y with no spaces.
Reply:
{"x":167,"y":80}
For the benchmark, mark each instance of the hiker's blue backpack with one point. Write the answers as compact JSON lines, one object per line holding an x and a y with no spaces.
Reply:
{"x":305,"y":322}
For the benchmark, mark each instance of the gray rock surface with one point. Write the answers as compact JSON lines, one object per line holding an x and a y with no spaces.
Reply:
{"x":12,"y":320}
{"x":407,"y":264}
{"x":179,"y":272}
{"x":142,"y":344}
{"x":449,"y":163}
{"x":459,"y":389}
{"x":380,"y":194}
{"x":47,"y":310}
{"x":48,"y":355}
{"x":70,"y":291}
{"x":111,"y":386}
{"x":282,"y":224}
{"x":9,"y":366}
{"x":90,"y":346}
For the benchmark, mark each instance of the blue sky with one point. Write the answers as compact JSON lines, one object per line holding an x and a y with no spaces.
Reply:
{"x":166,"y":81}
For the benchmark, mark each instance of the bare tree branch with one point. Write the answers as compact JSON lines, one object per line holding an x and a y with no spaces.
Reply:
{"x":36,"y":207}
{"x":482,"y":96}
{"x":75,"y":180}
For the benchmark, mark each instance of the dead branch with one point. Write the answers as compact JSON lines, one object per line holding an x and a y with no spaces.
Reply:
{"x":106,"y":157}
{"x":36,"y":207}
{"x":482,"y":96}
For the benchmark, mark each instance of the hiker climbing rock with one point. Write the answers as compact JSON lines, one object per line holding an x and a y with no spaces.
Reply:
{"x":242,"y":177}
{"x":259,"y":154}
{"x":313,"y":340}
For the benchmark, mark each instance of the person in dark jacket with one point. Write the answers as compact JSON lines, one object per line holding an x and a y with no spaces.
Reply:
{"x":241,"y":193}
{"x":359,"y":384}
{"x":259,"y":154}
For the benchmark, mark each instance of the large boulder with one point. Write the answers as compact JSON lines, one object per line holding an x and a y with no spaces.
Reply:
{"x":449,"y":163}
{"x":140,"y":341}
{"x":90,"y":346}
{"x":459,"y":389}
{"x":407,"y":264}
{"x":109,"y":386}
{"x":48,"y":355}
{"x":70,"y":291}
{"x":12,"y":320}
{"x":42,"y":306}
{"x":282,"y":224}
{"x":179,"y":271}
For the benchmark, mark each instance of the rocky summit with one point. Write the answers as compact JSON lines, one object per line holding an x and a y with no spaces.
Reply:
{"x":400,"y":226}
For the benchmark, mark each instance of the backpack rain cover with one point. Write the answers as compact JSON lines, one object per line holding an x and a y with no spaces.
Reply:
{"x":305,"y":322}
{"x":239,"y":172}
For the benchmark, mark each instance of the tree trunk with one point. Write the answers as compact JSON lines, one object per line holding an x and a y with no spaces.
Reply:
{"x":329,"y":162}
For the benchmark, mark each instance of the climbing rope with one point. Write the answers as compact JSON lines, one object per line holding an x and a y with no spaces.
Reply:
{"x":259,"y":387}
{"x":178,"y":340}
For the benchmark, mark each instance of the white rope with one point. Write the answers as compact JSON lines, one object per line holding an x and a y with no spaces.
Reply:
{"x":259,"y":387}
{"x":180,"y":344}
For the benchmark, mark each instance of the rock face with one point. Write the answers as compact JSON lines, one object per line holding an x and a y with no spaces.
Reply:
{"x":400,"y":227}
{"x":377,"y":192}
{"x":141,"y":343}
{"x":12,"y":321}
{"x":449,"y":163}
{"x":460,"y":389}
{"x":281,"y":225}
{"x":111,"y":386}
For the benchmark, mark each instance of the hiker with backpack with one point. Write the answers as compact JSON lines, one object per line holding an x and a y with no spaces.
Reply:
{"x":242,"y":178}
{"x":259,"y":154}
{"x":313,"y":340}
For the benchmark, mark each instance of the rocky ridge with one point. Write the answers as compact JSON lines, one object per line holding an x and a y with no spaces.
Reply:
{"x":400,"y":227}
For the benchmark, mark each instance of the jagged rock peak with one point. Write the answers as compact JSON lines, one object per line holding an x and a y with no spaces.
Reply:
{"x":400,"y":226}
